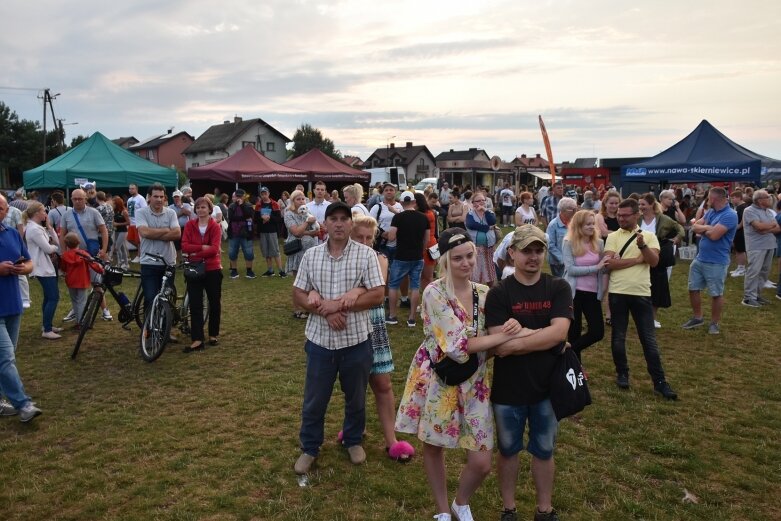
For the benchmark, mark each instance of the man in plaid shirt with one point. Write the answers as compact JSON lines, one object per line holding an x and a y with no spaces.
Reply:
{"x":337,"y":282}
{"x":549,"y":205}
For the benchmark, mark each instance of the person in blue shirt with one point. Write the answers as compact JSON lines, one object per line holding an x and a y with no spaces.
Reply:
{"x":557,"y":229}
{"x":716,"y":229}
{"x":14,"y":261}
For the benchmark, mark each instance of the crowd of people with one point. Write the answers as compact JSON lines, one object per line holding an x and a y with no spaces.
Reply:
{"x":357,"y":261}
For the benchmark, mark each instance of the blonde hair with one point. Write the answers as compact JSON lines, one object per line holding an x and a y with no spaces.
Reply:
{"x":366,"y":221}
{"x":575,"y":234}
{"x":650,"y":199}
{"x":608,"y":195}
{"x":71,"y":240}
{"x":354,"y":190}
{"x":32,"y":208}
{"x":291,"y":204}
{"x":447,"y":275}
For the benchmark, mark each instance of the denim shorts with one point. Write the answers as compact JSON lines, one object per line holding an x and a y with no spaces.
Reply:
{"x":246,"y":248}
{"x":708,"y":275}
{"x":400,"y":269}
{"x":511,"y":423}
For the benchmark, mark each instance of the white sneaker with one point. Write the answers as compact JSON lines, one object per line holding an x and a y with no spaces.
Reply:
{"x":70,"y":317}
{"x":51,"y":335}
{"x":769,"y":284}
{"x":657,"y":324}
{"x":136,"y":260}
{"x":28,"y":412}
{"x":461,"y":512}
{"x":739,"y":272}
{"x":444,"y":516}
{"x":107,"y":315}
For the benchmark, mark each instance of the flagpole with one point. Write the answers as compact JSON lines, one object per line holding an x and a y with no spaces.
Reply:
{"x":548,"y":151}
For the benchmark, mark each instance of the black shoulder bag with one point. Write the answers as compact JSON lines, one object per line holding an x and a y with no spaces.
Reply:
{"x":452,"y":372}
{"x":379,"y":241}
{"x":195,"y":270}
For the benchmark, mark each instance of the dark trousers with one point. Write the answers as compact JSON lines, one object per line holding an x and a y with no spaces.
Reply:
{"x":352,"y":364}
{"x":585,"y":303}
{"x":643,"y":315}
{"x":212,"y":283}
{"x":151,"y":282}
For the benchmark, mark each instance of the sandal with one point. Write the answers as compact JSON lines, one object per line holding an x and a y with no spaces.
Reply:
{"x":400,"y":451}
{"x":192,"y":349}
{"x":213,"y":341}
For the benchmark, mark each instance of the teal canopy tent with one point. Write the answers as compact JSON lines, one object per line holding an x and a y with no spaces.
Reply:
{"x":98,"y":159}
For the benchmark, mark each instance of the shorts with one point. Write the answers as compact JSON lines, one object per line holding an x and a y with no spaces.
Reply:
{"x":507,"y":210}
{"x":511,"y":422}
{"x":246,"y":248}
{"x":400,"y":269}
{"x":269,"y":245}
{"x":708,"y":275}
{"x":739,"y":242}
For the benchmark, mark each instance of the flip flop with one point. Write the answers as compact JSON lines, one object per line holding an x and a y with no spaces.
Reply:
{"x":400,"y":451}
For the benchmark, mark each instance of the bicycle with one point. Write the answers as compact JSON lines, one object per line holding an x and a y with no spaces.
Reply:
{"x":111,"y":277}
{"x":164,"y":314}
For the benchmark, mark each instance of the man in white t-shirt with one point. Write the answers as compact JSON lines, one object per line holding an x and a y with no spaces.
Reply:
{"x":507,"y":198}
{"x":317,"y":207}
{"x":134,"y":203}
{"x":383,"y":212}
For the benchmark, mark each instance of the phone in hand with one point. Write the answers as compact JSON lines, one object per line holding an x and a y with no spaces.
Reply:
{"x":20,"y":260}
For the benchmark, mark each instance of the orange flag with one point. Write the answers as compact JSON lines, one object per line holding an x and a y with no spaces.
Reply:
{"x":548,"y":151}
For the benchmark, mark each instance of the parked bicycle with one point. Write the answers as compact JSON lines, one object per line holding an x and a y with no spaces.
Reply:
{"x":165,"y":314}
{"x":103,"y":283}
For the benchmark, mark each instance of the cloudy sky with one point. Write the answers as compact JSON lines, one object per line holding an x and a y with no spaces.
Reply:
{"x":610,"y":78}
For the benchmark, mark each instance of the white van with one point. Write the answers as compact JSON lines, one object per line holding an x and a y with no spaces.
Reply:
{"x":425,"y":182}
{"x":394,"y":175}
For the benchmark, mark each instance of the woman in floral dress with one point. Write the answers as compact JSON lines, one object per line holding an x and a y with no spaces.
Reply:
{"x":452,"y":416}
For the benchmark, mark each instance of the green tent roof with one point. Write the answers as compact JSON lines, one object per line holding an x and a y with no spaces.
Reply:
{"x":98,"y":159}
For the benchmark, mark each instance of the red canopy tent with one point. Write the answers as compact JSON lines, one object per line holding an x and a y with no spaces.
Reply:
{"x":325,"y":168}
{"x":247,"y":166}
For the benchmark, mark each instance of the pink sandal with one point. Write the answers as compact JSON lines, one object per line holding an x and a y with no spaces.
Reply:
{"x":400,"y":451}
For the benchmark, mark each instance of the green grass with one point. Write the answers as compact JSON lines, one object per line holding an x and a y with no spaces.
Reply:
{"x":213,"y":435}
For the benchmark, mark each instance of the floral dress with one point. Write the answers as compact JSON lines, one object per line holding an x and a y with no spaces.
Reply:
{"x":447,"y":416}
{"x":293,"y":218}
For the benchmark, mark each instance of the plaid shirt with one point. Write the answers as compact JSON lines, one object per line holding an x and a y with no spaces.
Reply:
{"x":549,"y":207}
{"x":333,"y":277}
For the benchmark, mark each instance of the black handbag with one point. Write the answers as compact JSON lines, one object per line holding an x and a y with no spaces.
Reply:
{"x":292,"y":247}
{"x":569,"y":392}
{"x":452,"y":372}
{"x":666,"y":254}
{"x":194,"y":270}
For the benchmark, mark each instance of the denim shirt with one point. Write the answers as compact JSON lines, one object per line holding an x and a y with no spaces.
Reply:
{"x":556,"y":232}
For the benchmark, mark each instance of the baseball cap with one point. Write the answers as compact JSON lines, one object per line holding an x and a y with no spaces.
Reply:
{"x":264,"y":189}
{"x":337,"y":206}
{"x":452,"y":237}
{"x":177,"y":193}
{"x":239,"y":193}
{"x":406,"y":196}
{"x":89,"y":185}
{"x":527,"y":234}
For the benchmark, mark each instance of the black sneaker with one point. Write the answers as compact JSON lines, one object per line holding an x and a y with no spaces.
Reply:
{"x":546,"y":516}
{"x":269,"y":273}
{"x":509,"y":515}
{"x":391,"y":321}
{"x":622,"y":380}
{"x":250,"y":274}
{"x":665,"y":390}
{"x":234,"y":274}
{"x":404,"y":303}
{"x":282,"y":274}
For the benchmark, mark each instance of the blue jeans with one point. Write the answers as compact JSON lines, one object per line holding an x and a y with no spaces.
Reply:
{"x":643,"y":315}
{"x":151,"y":282}
{"x":246,"y":248}
{"x":51,"y":296}
{"x":511,"y":423}
{"x":400,"y":269}
{"x":322,"y":365}
{"x":10,"y":383}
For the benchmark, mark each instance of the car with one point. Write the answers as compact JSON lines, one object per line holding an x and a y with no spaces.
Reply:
{"x":425,"y":182}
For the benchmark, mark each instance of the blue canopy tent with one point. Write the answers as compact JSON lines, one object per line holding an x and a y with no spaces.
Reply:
{"x":705,"y":155}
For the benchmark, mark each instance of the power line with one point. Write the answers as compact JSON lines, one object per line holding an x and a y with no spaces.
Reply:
{"x":22,"y":88}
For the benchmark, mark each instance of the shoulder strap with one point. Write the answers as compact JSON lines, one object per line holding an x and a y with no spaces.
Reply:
{"x":379,"y":210}
{"x":475,"y":305}
{"x":78,"y":224}
{"x":626,"y":245}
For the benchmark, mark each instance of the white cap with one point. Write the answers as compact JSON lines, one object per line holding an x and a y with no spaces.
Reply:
{"x":406,"y":196}
{"x":177,"y":193}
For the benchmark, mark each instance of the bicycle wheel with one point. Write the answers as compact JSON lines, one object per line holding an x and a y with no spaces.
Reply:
{"x":87,"y":320}
{"x":156,"y":330}
{"x":138,"y":307}
{"x":186,"y":316}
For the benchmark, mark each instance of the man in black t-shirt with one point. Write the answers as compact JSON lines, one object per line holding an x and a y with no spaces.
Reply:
{"x":520,"y":391}
{"x":739,"y":242}
{"x":410,"y":230}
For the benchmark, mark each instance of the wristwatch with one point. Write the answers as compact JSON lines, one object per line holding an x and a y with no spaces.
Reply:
{"x":644,"y":246}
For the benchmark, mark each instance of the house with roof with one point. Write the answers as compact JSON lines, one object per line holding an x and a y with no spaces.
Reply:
{"x":473,"y":167}
{"x":221,"y":141}
{"x":125,"y":142}
{"x":164,"y":149}
{"x":353,"y":161}
{"x":531,"y":170}
{"x":418,"y":162}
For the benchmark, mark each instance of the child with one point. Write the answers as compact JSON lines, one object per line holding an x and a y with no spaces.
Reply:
{"x":75,"y":264}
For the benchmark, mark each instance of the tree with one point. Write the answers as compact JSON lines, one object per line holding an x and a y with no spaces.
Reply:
{"x":78,"y":140}
{"x":21,"y":143}
{"x":308,"y":137}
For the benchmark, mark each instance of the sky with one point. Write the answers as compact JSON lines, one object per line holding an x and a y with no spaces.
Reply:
{"x":610,"y":78}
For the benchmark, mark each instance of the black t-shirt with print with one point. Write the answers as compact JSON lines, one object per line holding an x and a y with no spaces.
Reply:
{"x":411,"y":226}
{"x":525,"y":379}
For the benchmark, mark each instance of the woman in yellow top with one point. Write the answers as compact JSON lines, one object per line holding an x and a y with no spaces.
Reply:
{"x":453,"y":416}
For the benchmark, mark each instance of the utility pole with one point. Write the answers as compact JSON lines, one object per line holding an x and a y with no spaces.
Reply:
{"x":48,"y":98}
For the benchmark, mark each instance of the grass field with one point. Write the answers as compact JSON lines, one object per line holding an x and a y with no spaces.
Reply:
{"x":213,"y":435}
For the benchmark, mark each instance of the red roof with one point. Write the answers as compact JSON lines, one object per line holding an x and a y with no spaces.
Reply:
{"x":247,"y":165}
{"x":324,"y":167}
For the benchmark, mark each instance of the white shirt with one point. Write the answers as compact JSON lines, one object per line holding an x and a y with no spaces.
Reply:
{"x":360,"y":209}
{"x":650,"y":227}
{"x":318,"y":209}
{"x":385,"y":216}
{"x":134,"y":204}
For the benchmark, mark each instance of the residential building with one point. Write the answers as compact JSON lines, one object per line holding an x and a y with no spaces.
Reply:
{"x":125,"y":142}
{"x":165,"y":149}
{"x":473,"y":167}
{"x":221,"y":141}
{"x":418,"y":162}
{"x":353,"y":161}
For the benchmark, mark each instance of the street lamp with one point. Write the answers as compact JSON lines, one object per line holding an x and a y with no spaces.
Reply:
{"x":387,"y":153}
